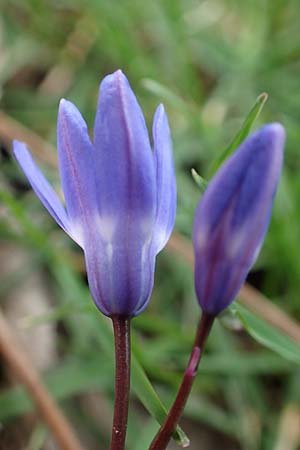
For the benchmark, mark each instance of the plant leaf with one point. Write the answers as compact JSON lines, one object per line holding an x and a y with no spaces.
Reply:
{"x":242,"y":133}
{"x":267,"y":335}
{"x":164,"y":93}
{"x":147,"y":395}
{"x":201,"y":182}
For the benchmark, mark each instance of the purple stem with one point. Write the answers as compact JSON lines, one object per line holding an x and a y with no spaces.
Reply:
{"x":164,"y":435}
{"x":121,"y":326}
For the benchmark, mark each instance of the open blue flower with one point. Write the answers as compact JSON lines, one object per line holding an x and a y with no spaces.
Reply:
{"x":120,"y":196}
{"x":233,"y":216}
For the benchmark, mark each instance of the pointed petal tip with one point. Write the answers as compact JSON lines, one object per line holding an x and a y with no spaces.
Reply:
{"x":114,"y":78}
{"x":70,"y":114}
{"x":119,"y":72}
{"x":161,"y":109}
{"x":276,"y":135}
{"x":121,"y":79}
{"x":16,"y":143}
{"x":270,"y":138}
{"x":18,"y":148}
{"x":65,"y":106}
{"x":62,"y":107}
{"x":275,"y":130}
{"x":160,"y":113}
{"x":160,"y":122}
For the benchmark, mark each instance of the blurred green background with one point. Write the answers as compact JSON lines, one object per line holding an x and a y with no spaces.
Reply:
{"x":207,"y":61}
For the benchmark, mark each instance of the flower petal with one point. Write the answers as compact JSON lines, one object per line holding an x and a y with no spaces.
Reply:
{"x":127,"y":202}
{"x":77,"y":167}
{"x":233,"y":216}
{"x":165,"y":180}
{"x":124,"y":157}
{"x":42,"y":188}
{"x":120,"y":277}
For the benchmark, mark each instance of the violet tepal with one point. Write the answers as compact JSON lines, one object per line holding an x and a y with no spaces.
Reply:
{"x":233,"y":216}
{"x":120,"y":195}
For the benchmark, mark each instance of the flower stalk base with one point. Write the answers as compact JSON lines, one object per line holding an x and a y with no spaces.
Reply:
{"x":121,"y":327}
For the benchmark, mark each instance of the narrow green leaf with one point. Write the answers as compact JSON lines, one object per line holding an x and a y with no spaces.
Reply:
{"x":242,"y":134}
{"x":144,"y":440}
{"x":38,"y":438}
{"x":267,"y":335}
{"x":144,"y":390}
{"x":201,"y":182}
{"x":164,"y":93}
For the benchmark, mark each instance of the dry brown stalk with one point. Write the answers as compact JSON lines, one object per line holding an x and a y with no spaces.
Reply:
{"x":79,"y":42}
{"x":20,"y":364}
{"x":11,"y":129}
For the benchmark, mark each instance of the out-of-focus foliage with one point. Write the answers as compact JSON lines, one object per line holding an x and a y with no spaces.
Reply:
{"x":207,"y":61}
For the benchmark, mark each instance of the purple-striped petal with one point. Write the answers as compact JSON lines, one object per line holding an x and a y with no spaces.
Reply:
{"x":120,"y":277}
{"x":233,"y":216}
{"x":124,"y":157}
{"x":120,"y":197}
{"x":127,"y":200}
{"x":76,"y":158}
{"x":165,"y":180}
{"x":42,"y":188}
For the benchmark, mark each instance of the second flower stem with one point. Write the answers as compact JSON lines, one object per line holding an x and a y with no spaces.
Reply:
{"x":121,"y":326}
{"x":164,"y":435}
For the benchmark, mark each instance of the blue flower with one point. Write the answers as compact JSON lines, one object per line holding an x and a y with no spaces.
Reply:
{"x":120,"y":195}
{"x":233,"y":216}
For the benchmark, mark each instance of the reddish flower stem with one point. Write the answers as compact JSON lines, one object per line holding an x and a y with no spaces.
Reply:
{"x":164,"y":435}
{"x":121,"y":326}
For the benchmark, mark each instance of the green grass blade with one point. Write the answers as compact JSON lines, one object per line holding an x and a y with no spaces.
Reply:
{"x":242,"y":133}
{"x":145,"y":392}
{"x":164,"y":94}
{"x":267,"y":335}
